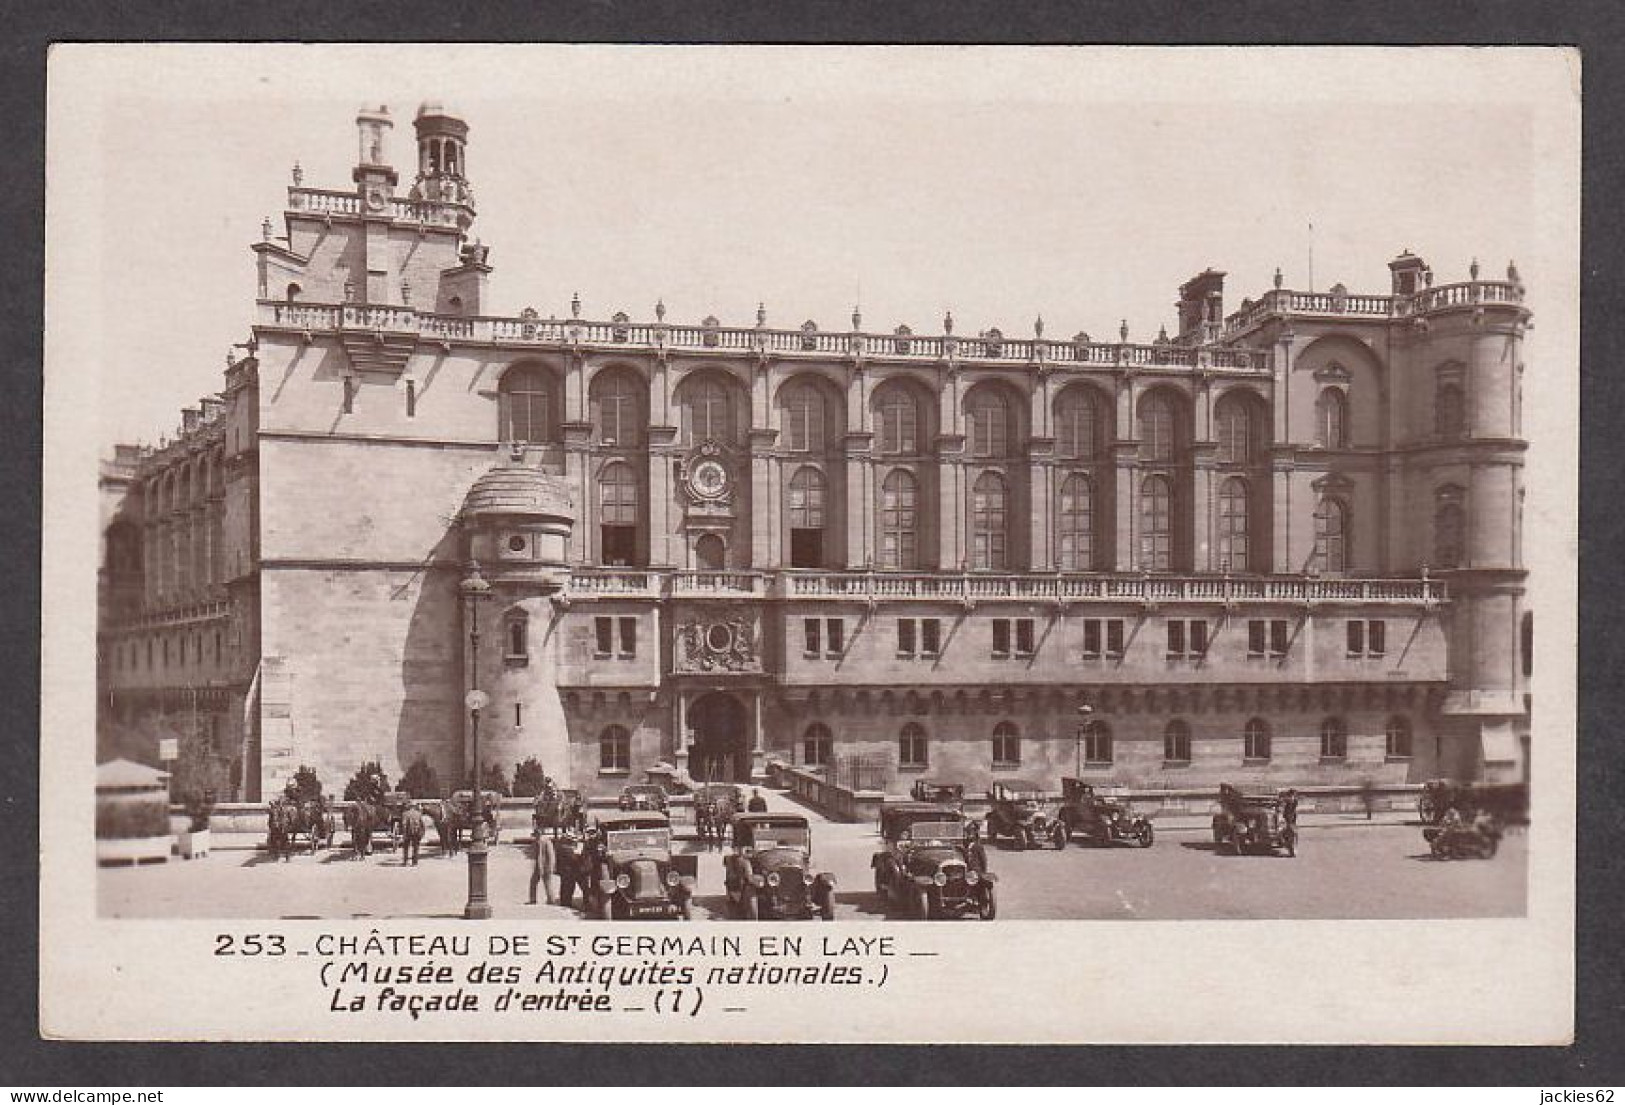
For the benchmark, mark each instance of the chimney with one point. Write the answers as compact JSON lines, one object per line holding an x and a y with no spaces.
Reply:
{"x":189,"y":419}
{"x":1201,"y":306}
{"x":1410,"y":273}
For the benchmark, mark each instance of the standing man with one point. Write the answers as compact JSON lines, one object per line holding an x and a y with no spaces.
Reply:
{"x":543,"y":862}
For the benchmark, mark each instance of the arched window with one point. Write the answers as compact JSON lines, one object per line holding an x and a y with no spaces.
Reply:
{"x":899,"y":521}
{"x":1159,"y":428}
{"x":527,"y":402}
{"x":617,"y":401}
{"x":1176,"y":742}
{"x":1239,"y":429}
{"x":987,"y":423}
{"x":911,"y":747}
{"x":1331,"y":419}
{"x":803,"y":418}
{"x":1398,"y":742}
{"x":1097,"y":742}
{"x":1077,"y":424}
{"x":897,"y":422}
{"x":617,"y":514}
{"x":516,"y":635}
{"x":615,"y":749}
{"x":1255,"y":740}
{"x":1449,"y":524}
{"x":710,"y":553}
{"x":1075,"y":525}
{"x":1006,"y":745}
{"x":708,"y":411}
{"x":806,"y":511}
{"x":294,"y":292}
{"x":988,"y":520}
{"x":1331,"y":537}
{"x":1449,"y":411}
{"x":1233,"y":525}
{"x":1156,"y":524}
{"x":1334,"y":739}
{"x":817,"y":746}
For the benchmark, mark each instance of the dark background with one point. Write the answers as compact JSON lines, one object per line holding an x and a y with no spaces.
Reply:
{"x":1597,"y":28}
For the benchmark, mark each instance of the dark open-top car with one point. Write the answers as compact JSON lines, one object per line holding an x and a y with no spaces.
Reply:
{"x":643,"y":796}
{"x":769,"y":874}
{"x":1022,"y":813}
{"x":931,"y":864}
{"x":1256,"y":821}
{"x":1098,"y":819}
{"x":633,"y":875}
{"x":938,"y":793}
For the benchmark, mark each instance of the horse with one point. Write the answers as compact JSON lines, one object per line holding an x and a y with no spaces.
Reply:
{"x":281,"y":819}
{"x":361,"y":819}
{"x":411,"y":834}
{"x":450,"y":821}
{"x":314,"y":820}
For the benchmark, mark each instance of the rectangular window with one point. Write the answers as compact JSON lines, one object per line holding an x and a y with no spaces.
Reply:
{"x":1024,"y":637}
{"x":1257,"y":636}
{"x":1006,"y":750}
{"x":629,"y":637}
{"x":835,"y":636}
{"x":1001,"y":636}
{"x":813,"y":630}
{"x":815,"y":751}
{"x":411,"y":398}
{"x":1198,"y":638}
{"x":615,"y":750}
{"x":604,"y":636}
{"x":1187,"y":638}
{"x":906,"y":636}
{"x":1091,"y":638}
{"x":911,"y":750}
{"x":1268,"y":637}
{"x":1367,"y":638}
{"x":1356,"y":635}
{"x":1114,"y":637}
{"x":1278,"y":637}
{"x":930,"y":636}
{"x":1176,"y":638}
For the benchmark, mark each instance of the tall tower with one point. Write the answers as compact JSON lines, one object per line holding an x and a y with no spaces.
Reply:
{"x":442,"y":159}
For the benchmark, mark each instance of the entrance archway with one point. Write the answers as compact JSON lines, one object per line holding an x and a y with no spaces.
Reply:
{"x":721,"y":748}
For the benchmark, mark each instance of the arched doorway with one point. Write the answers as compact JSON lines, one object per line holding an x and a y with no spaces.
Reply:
{"x":710,"y":552}
{"x":721,"y":748}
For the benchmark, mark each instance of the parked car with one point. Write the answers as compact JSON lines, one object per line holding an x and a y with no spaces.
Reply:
{"x":1022,"y":813}
{"x":1097,"y":819}
{"x":643,"y":796}
{"x":1457,"y":837}
{"x":938,"y":793}
{"x":632,"y":874}
{"x":931,"y":864}
{"x":769,"y":874}
{"x":1259,"y":822}
{"x":1508,"y":803}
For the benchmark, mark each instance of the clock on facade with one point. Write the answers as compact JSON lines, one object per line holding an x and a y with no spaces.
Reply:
{"x":709,"y":479}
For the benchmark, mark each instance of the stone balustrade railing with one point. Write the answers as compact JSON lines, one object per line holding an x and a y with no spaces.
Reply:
{"x":1281,"y":302}
{"x":321,"y":201}
{"x":970,"y":587}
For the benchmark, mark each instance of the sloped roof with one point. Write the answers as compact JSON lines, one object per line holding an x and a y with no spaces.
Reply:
{"x":519,"y":489}
{"x":128,"y":775}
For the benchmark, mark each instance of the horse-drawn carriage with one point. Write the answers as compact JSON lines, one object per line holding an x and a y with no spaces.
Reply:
{"x":557,"y":810}
{"x":1508,"y":803}
{"x":1258,"y":822}
{"x":289,"y":818}
{"x":454,"y":816}
{"x":714,"y":807}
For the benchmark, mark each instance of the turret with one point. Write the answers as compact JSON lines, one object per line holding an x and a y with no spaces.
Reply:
{"x":442,"y":158}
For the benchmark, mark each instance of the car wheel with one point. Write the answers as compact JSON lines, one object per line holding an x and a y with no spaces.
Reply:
{"x":1147,"y":835}
{"x":685,"y":909}
{"x":1488,"y":850}
{"x":826,"y":908}
{"x":880,"y":881}
{"x":1059,"y":836}
{"x":989,"y":908}
{"x":922,"y":904}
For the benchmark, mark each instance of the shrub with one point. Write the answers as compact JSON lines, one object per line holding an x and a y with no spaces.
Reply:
{"x":304,"y":786}
{"x":420,"y":780}
{"x":129,"y":820}
{"x":200,"y":776}
{"x":368,"y":784}
{"x":494,"y":779}
{"x":528,"y":778}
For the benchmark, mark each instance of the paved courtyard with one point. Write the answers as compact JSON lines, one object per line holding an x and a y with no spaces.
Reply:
{"x":1345,"y":868}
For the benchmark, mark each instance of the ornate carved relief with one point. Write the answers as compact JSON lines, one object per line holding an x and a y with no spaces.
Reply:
{"x":723,"y":640}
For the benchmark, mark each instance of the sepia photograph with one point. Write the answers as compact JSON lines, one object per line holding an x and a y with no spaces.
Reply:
{"x":869,"y":486}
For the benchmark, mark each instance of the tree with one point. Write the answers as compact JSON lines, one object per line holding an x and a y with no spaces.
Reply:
{"x":200,"y":777}
{"x":304,"y":786}
{"x":494,"y":779}
{"x":368,"y":784}
{"x":420,"y":780}
{"x":528,"y":778}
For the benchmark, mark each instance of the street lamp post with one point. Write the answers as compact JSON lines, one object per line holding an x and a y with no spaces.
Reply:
{"x":1077,"y":741}
{"x":476,"y":590}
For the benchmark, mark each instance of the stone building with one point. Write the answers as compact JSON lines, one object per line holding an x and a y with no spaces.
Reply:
{"x":1281,"y":544}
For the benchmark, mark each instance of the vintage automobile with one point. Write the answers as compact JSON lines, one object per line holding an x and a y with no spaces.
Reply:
{"x":931,"y":865}
{"x":769,"y":874}
{"x":490,"y":806}
{"x":1258,"y":822}
{"x":938,"y":793}
{"x":643,"y":796}
{"x":1508,"y":803}
{"x":1022,"y":813}
{"x":1098,"y":819}
{"x":1462,"y":838}
{"x":631,"y":872}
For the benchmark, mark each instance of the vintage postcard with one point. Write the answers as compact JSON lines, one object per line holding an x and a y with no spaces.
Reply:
{"x":1069,"y":525}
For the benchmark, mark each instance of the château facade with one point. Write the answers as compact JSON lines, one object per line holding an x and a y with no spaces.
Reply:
{"x":1281,"y":545}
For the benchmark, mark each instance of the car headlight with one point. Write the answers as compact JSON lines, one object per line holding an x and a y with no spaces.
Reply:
{"x":623,"y":880}
{"x":773,"y":878}
{"x":672,"y":877}
{"x":971,"y":877}
{"x":940,"y":879}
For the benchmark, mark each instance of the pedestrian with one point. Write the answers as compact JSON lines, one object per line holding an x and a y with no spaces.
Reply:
{"x":543,"y":862}
{"x":757,"y":803}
